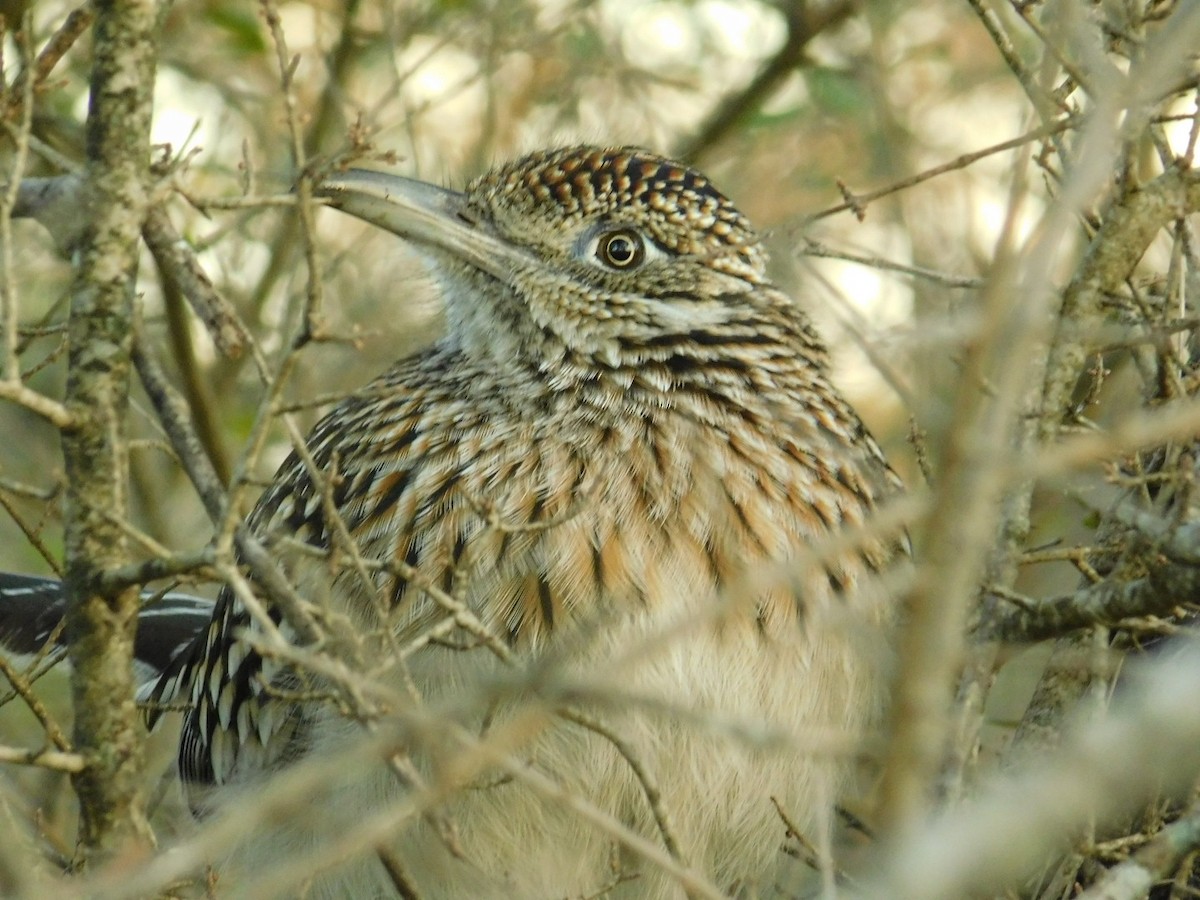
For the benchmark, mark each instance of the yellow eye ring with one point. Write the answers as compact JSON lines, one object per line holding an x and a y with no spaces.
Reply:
{"x":620,"y":249}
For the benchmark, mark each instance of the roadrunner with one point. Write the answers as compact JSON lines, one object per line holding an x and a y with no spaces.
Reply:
{"x":599,"y":562}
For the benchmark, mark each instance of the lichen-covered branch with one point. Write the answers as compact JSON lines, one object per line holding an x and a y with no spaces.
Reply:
{"x":101,"y":623}
{"x":1129,"y":227}
{"x":1162,"y":590}
{"x":1152,"y":863}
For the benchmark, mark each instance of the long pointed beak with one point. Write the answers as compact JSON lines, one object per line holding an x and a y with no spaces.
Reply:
{"x":423,"y":213}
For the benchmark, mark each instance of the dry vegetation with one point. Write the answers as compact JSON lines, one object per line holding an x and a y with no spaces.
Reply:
{"x":989,"y":207}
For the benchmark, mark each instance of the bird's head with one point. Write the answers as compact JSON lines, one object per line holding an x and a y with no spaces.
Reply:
{"x":613,"y":257}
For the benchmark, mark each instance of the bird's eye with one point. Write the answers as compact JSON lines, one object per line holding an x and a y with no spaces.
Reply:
{"x":620,"y":249}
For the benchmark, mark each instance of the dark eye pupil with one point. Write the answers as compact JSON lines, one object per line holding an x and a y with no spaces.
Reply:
{"x":620,"y":250}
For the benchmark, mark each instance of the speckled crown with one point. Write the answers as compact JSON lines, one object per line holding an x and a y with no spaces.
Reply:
{"x":680,"y":206}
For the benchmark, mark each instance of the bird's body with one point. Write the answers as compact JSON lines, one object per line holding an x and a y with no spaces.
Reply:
{"x":612,"y":531}
{"x":628,"y":467}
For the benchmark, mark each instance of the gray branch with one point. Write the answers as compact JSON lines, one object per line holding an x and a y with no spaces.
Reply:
{"x":1160,"y":592}
{"x":101,"y":622}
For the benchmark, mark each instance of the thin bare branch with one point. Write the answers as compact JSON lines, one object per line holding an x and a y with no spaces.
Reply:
{"x":55,"y":760}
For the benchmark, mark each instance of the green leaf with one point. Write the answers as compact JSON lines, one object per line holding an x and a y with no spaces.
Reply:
{"x":240,"y":23}
{"x":836,"y":91}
